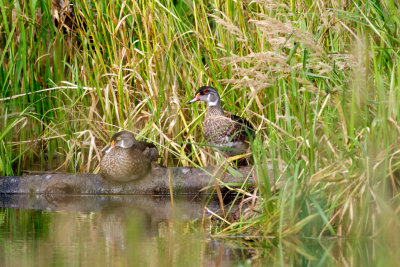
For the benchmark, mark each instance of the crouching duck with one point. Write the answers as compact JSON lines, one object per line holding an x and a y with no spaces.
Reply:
{"x":228,"y":135}
{"x":127,"y":159}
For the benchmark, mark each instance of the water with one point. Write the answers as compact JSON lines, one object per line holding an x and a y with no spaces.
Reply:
{"x":108,"y":231}
{"x":150,"y":231}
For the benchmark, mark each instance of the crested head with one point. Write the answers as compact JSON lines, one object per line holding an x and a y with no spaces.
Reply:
{"x":207,"y":94}
{"x":123,"y":139}
{"x":206,"y":90}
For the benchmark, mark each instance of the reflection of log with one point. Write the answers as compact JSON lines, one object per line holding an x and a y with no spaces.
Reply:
{"x":157,"y":207}
{"x":184,"y":181}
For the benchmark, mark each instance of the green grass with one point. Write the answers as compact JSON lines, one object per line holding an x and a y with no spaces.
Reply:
{"x":318,"y":80}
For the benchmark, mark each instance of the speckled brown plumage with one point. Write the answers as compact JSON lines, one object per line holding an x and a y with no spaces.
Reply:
{"x":229,"y":135}
{"x":128,"y":159}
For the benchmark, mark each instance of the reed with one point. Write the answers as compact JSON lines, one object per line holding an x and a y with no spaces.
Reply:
{"x":319,"y":81}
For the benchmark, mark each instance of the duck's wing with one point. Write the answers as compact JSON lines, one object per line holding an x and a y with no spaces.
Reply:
{"x":225,"y":129}
{"x":244,"y":124}
{"x":142,"y":145}
{"x":148,"y":149}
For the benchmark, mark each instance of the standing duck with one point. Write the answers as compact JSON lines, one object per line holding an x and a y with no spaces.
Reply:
{"x":227,"y":134}
{"x":127,"y":159}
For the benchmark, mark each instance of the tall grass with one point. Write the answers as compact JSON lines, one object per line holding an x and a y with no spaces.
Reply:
{"x":319,"y":81}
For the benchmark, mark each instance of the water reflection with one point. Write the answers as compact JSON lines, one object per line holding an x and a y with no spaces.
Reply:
{"x":149,"y":231}
{"x":107,"y":230}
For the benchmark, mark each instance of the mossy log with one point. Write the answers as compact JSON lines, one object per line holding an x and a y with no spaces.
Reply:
{"x":184,"y":181}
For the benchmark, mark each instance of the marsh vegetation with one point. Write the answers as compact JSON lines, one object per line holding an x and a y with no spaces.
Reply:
{"x":318,"y":80}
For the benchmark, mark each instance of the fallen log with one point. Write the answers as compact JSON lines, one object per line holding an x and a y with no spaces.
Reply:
{"x":184,"y":181}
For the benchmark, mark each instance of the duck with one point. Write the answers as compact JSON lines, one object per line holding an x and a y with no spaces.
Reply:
{"x":228,"y":135}
{"x":127,"y":159}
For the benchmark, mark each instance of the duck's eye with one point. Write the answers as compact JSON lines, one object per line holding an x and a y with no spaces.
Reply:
{"x":205,"y":91}
{"x":118,"y":138}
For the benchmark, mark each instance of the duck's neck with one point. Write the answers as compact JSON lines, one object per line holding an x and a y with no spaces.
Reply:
{"x":215,"y":110}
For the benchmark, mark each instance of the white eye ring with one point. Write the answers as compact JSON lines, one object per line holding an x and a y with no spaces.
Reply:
{"x":123,"y":144}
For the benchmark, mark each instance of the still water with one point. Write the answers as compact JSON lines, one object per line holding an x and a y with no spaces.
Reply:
{"x":148,"y":231}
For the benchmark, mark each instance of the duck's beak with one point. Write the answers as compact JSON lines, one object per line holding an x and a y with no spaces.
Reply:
{"x":197,"y":98}
{"x":111,"y":147}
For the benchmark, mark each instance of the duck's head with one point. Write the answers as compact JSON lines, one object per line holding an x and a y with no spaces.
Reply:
{"x":122,"y":139}
{"x":207,"y":94}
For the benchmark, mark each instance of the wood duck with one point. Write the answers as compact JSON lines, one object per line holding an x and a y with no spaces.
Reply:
{"x":227,"y":134}
{"x":127,"y":159}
